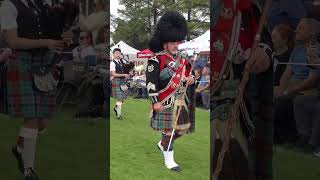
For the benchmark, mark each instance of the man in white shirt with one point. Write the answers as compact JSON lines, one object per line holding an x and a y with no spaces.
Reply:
{"x":25,"y":23}
{"x":119,"y":81}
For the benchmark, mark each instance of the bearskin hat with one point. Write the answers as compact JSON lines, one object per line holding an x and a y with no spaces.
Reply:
{"x":171,"y":27}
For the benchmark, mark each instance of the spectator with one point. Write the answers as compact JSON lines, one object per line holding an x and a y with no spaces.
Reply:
{"x":307,"y":108}
{"x":302,"y":78}
{"x":295,"y":80}
{"x":85,"y":47}
{"x":198,"y":72}
{"x":203,"y":87}
{"x":282,"y":39}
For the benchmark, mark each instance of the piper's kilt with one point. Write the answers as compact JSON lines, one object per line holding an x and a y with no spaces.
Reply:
{"x":163,"y":121}
{"x":117,"y":93}
{"x":23,"y":99}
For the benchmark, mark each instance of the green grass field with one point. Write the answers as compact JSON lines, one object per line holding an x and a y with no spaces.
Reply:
{"x":77,"y":149}
{"x":134,"y":155}
{"x":292,"y":164}
{"x":70,"y":149}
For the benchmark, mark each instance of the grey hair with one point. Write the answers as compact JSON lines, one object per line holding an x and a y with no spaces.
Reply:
{"x":314,"y":25}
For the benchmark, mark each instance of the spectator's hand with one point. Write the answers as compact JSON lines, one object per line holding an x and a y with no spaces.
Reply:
{"x":54,"y":44}
{"x":190,"y":80}
{"x":259,"y":61}
{"x":157,"y":107}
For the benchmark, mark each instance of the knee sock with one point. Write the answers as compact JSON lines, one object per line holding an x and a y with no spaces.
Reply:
{"x":27,"y":142}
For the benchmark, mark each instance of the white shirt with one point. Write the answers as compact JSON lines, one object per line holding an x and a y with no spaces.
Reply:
{"x":79,"y":53}
{"x":9,"y":14}
{"x":113,"y":65}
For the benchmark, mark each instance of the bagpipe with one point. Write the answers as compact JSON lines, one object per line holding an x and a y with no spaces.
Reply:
{"x":61,"y":17}
{"x":127,"y":66}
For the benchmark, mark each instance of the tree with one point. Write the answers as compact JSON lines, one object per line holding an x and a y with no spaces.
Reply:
{"x":137,"y":20}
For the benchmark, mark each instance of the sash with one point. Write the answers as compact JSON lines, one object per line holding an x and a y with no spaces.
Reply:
{"x":169,"y":91}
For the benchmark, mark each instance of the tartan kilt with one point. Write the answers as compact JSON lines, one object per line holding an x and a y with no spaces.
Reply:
{"x":117,"y":93}
{"x":24,"y":100}
{"x":163,"y":121}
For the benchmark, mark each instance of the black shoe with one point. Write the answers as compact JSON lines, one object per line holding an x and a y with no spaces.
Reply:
{"x":115,"y":110}
{"x":176,"y":169}
{"x":18,"y":157}
{"x":30,"y":174}
{"x":119,"y":117}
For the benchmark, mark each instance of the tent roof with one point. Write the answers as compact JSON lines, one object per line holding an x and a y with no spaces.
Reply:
{"x":125,"y":48}
{"x":198,"y":44}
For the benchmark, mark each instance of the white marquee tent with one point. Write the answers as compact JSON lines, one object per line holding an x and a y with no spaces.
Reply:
{"x":126,"y":49}
{"x":201,"y":43}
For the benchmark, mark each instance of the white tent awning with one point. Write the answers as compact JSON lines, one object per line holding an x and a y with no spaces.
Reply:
{"x":201,"y":43}
{"x":125,"y":48}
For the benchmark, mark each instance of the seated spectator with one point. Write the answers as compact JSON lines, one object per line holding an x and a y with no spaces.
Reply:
{"x":307,"y":108}
{"x":203,"y":87}
{"x":282,"y":39}
{"x":296,"y":80}
{"x":198,"y":72}
{"x":85,"y":47}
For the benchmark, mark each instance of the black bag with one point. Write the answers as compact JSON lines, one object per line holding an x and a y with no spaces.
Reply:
{"x":3,"y":89}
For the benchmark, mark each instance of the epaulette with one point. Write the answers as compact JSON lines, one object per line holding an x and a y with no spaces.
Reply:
{"x":154,"y":58}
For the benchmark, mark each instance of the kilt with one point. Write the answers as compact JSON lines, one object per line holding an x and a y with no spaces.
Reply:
{"x":163,"y":121}
{"x":23,"y":99}
{"x":117,"y":93}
